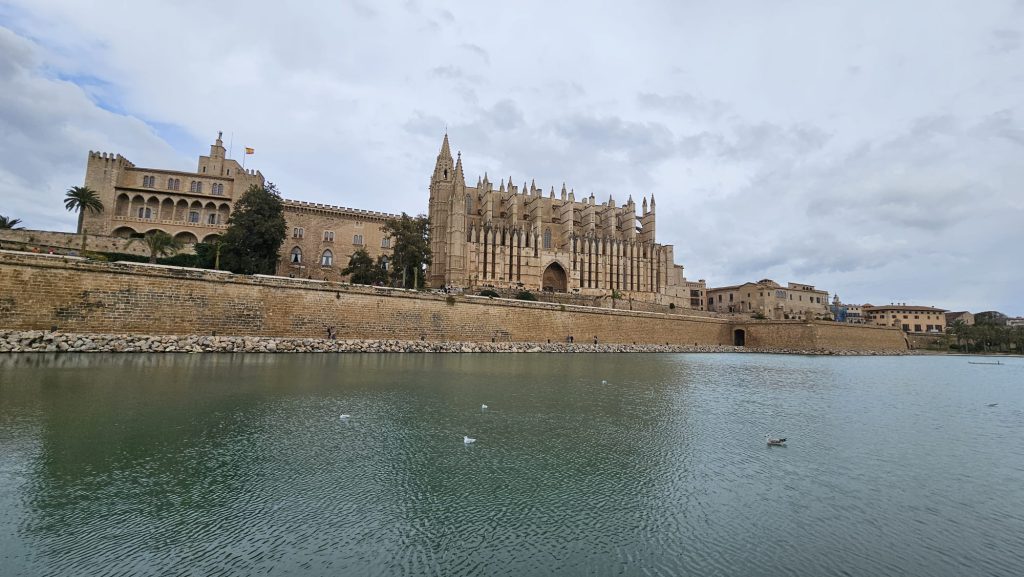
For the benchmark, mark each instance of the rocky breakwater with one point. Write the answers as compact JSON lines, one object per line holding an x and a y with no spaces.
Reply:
{"x":42,"y":341}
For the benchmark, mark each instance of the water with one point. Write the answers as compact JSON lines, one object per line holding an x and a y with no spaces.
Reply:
{"x":239,"y":465}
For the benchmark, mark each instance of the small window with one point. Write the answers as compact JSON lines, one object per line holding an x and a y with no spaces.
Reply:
{"x":298,"y":232}
{"x":170,"y":184}
{"x":469,"y":204}
{"x":145,"y":213}
{"x":192,"y":187}
{"x":327,"y":259}
{"x":328,"y":236}
{"x":199,"y":187}
{"x":177,"y":184}
{"x":212,"y":219}
{"x":547,"y":238}
{"x":296,"y":255}
{"x":384,"y":263}
{"x":385,"y":242}
{"x":193,"y":216}
{"x":204,"y":169}
{"x":357,"y":239}
{"x":229,"y":172}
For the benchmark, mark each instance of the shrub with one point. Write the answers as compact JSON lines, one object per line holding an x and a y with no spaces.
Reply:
{"x":488,"y":293}
{"x":526,"y":296}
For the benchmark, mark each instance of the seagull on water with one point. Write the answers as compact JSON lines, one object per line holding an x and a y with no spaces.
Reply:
{"x":468,"y":440}
{"x":604,"y":382}
{"x":344,"y":417}
{"x":774,"y":442}
{"x":483,"y":407}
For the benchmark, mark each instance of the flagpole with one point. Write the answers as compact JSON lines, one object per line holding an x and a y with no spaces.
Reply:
{"x":231,"y":145}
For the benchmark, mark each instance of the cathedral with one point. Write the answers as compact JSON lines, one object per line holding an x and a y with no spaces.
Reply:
{"x":520,"y":237}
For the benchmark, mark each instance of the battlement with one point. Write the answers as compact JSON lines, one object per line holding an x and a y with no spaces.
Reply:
{"x":337,"y":209}
{"x":110,"y":157}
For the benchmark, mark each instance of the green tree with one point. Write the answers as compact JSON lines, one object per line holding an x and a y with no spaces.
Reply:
{"x":410,"y":247}
{"x":82,"y":199}
{"x":160,"y":244}
{"x":255,"y":233}
{"x":958,"y":329}
{"x":363,"y":270}
{"x":10,"y":223}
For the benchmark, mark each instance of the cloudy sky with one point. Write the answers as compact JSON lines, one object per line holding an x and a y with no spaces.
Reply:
{"x":874,"y":149}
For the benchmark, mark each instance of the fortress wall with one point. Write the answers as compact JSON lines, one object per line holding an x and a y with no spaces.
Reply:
{"x":38,"y":292}
{"x":69,"y":241}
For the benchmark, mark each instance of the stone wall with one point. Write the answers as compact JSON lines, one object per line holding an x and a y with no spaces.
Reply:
{"x":38,"y":292}
{"x":69,"y":242}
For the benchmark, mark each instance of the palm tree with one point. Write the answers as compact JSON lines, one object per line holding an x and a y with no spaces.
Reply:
{"x":160,"y":243}
{"x":10,"y":223}
{"x":81,"y":199}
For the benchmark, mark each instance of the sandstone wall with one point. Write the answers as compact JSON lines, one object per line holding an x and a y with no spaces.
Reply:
{"x":38,"y":292}
{"x":65,"y":242}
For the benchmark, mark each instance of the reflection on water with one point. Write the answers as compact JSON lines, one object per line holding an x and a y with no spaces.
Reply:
{"x":239,"y":464}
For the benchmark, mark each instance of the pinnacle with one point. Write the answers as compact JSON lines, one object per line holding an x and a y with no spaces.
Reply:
{"x":445,"y":150}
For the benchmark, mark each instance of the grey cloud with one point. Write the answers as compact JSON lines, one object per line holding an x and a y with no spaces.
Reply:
{"x":642,"y":142}
{"x":1005,"y":40}
{"x":506,"y":115}
{"x":425,"y":125}
{"x":683,"y":103}
{"x":1002,"y":124}
{"x":478,"y":51}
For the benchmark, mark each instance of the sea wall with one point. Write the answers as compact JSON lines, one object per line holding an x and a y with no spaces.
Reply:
{"x":43,"y":292}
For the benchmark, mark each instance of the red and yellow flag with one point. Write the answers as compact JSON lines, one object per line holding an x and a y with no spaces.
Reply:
{"x":250,"y":150}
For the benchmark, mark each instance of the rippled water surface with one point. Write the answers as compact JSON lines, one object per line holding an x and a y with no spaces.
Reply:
{"x":240,"y":465}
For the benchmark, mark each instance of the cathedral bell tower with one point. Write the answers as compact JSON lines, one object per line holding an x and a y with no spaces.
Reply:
{"x":439,"y":212}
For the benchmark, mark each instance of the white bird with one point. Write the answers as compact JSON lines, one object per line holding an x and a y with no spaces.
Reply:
{"x":468,"y":440}
{"x":482,"y":407}
{"x":344,"y":417}
{"x":774,"y":442}
{"x":604,"y":382}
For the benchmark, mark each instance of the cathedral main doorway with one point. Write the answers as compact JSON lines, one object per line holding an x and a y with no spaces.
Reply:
{"x":554,"y":279}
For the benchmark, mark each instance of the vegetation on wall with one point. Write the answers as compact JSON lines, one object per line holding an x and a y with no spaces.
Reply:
{"x":10,"y":223}
{"x":363,"y":270}
{"x":488,"y":293}
{"x":985,"y":337}
{"x":255,"y":233}
{"x":82,"y":199}
{"x":526,"y":296}
{"x":410,"y":249}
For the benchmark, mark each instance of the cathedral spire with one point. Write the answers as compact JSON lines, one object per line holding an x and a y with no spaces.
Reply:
{"x":459,"y":178}
{"x":445,"y":150}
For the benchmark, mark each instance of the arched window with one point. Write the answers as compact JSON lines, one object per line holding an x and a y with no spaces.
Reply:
{"x":327,"y":259}
{"x":469,"y":204}
{"x":177,"y":184}
{"x":170,"y":184}
{"x":192,"y":187}
{"x":547,"y":238}
{"x":199,"y":187}
{"x":296,"y":255}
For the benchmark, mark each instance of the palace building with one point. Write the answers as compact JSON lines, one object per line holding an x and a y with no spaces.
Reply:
{"x":513,"y":236}
{"x":195,"y":206}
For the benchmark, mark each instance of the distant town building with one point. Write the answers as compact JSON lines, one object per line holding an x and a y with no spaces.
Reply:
{"x":846,"y":313}
{"x":1015,"y":322}
{"x":910,"y":318}
{"x":771,"y":300}
{"x":195,"y":206}
{"x":965,"y":316}
{"x":990,"y":318}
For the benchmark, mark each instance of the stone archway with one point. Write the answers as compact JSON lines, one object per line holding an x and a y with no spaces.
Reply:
{"x":554,"y":279}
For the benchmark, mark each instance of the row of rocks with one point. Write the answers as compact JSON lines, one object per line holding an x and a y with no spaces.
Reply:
{"x":42,"y":341}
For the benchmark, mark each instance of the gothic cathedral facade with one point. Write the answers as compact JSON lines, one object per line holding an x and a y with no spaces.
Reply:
{"x":513,"y":237}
